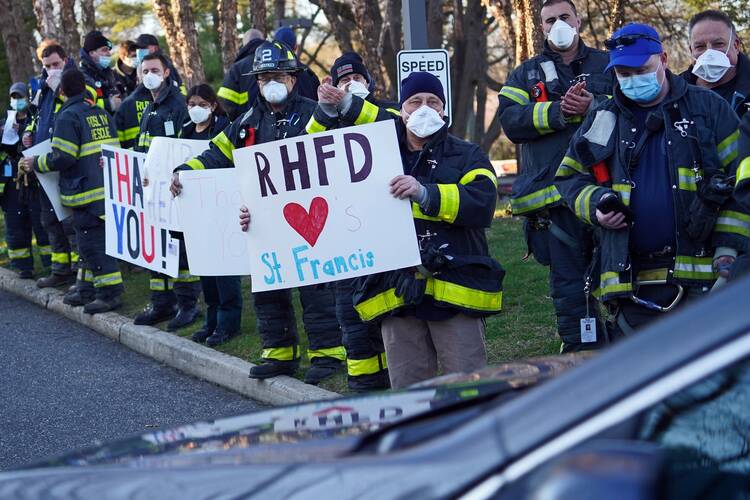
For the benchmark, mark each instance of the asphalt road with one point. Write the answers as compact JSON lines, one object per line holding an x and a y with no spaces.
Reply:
{"x":63,"y":386}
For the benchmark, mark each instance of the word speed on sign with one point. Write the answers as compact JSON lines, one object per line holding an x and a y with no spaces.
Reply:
{"x":433,"y":61}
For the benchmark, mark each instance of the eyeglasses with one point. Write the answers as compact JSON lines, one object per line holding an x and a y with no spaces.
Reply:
{"x":626,"y":40}
{"x":276,"y":77}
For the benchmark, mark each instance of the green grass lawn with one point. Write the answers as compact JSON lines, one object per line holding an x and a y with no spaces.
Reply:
{"x":525,"y":328}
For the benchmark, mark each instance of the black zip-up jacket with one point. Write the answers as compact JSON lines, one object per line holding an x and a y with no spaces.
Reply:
{"x":126,"y":82}
{"x":163,"y":117}
{"x":128,"y":117}
{"x":218,"y":124}
{"x":240,"y":89}
{"x":101,"y":82}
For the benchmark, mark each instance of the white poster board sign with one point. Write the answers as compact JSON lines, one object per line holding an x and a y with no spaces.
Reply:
{"x":10,"y":132}
{"x":131,"y":234}
{"x":210,"y":204}
{"x":50,"y":181}
{"x":321,"y":208}
{"x":164,"y":155}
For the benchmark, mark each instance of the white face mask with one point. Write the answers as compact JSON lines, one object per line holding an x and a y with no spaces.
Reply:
{"x":424,"y":122}
{"x":152,"y":81}
{"x":275,"y":92}
{"x":713,"y":64}
{"x":53,"y":78}
{"x":199,"y":114}
{"x":562,"y":35}
{"x":358,"y":88}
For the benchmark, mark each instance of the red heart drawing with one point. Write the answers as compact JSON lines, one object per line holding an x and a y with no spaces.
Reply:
{"x":310,"y":224}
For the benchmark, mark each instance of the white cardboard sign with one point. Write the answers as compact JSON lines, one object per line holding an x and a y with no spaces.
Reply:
{"x":50,"y":181}
{"x":210,"y":204}
{"x":164,"y":155}
{"x":131,"y":234}
{"x":321,"y":208}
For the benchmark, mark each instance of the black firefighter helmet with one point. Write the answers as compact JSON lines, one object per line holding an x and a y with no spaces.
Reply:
{"x":274,"y":57}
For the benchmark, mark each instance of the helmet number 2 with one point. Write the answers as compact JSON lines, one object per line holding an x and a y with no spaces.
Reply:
{"x":265,"y":56}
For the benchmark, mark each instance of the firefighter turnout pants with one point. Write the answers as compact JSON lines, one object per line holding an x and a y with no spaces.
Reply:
{"x":22,"y":218}
{"x":182,"y":291}
{"x":98,"y":273}
{"x":62,"y":238}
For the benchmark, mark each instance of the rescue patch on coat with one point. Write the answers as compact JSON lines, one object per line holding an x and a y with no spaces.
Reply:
{"x":601,"y":128}
{"x":550,"y":72}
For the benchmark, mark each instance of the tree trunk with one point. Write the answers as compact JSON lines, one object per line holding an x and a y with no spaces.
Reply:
{"x":342,"y":35}
{"x":616,"y":15}
{"x":163,"y":14}
{"x":465,"y":64}
{"x":187,"y":42}
{"x":70,"y":35}
{"x":279,"y":10}
{"x":17,"y":40}
{"x":227,"y":14}
{"x":369,"y":21}
{"x":88,"y":16}
{"x":389,"y":44}
{"x":258,"y":15}
{"x":45,"y":19}
{"x":435,"y":24}
{"x":481,"y":86}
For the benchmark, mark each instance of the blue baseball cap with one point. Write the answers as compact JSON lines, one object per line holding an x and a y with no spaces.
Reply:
{"x":632,"y":45}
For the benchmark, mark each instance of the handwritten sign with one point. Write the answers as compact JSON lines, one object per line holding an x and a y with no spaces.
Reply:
{"x":131,"y":235}
{"x":164,"y":155}
{"x":321,"y":208}
{"x":50,"y":181}
{"x":210,"y":205}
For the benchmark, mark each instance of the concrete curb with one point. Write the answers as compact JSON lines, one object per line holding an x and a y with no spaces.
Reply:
{"x":184,"y":355}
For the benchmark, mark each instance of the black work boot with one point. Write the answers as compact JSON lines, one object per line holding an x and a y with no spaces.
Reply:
{"x":151,"y":315}
{"x":201,"y":335}
{"x":26,"y":274}
{"x":366,"y":383}
{"x":322,"y":368}
{"x":273,"y":368}
{"x":54,"y":280}
{"x":219,"y":338}
{"x":78,"y":299}
{"x":103,"y":305}
{"x":185,"y":316}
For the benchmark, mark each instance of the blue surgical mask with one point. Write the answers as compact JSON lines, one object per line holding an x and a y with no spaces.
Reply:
{"x":641,"y":88}
{"x":140,"y":54}
{"x":105,"y":61}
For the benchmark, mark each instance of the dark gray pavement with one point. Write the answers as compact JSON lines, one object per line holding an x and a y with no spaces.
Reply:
{"x":63,"y":386}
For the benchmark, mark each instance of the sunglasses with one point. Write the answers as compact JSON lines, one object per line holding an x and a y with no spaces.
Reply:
{"x":626,"y":40}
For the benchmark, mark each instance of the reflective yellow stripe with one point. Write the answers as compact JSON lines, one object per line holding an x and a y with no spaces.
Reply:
{"x":473,"y":174}
{"x":44,"y":249}
{"x":85,"y":275}
{"x":281,"y":353}
{"x":68,"y":147}
{"x":519,"y":96}
{"x":230,"y":95}
{"x":696,"y":268}
{"x":369,"y":366}
{"x":653,"y":274}
{"x":224,"y":144}
{"x":624,"y":191}
{"x":74,"y":257}
{"x":568,"y":167}
{"x":686,"y":179}
{"x":416,"y":212}
{"x":393,"y":111}
{"x":111,"y":279}
{"x":449,"y":202}
{"x":60,"y":258}
{"x":159,"y":284}
{"x":184,"y":276}
{"x":144,"y":140}
{"x":95,"y":147}
{"x":541,"y":117}
{"x":128,"y":134}
{"x":41,"y":164}
{"x":535,"y":201}
{"x":314,"y":126}
{"x":609,"y":282}
{"x":728,"y":148}
{"x":443,"y":291}
{"x":743,"y":171}
{"x":583,"y":203}
{"x":19,"y":253}
{"x":195,"y":164}
{"x":337,"y":352}
{"x":730,"y":221}
{"x":77,"y":200}
{"x":368,"y":114}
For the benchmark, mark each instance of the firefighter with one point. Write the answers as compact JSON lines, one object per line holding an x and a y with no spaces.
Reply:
{"x":19,"y":194}
{"x":307,"y":82}
{"x":96,"y":59}
{"x":718,"y":62}
{"x":278,"y":112}
{"x":345,"y":98}
{"x":542,"y":104}
{"x":47,"y":101}
{"x":128,"y":117}
{"x":125,"y":68}
{"x":171,"y":299}
{"x":148,"y":44}
{"x":435,"y":312}
{"x":81,"y":129}
{"x":653,"y":170}
{"x":238,"y":92}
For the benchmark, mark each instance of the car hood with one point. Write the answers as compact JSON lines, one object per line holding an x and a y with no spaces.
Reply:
{"x":324,"y":429}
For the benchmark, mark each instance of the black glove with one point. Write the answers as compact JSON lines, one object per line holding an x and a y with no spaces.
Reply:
{"x":436,"y":258}
{"x":613,"y":203}
{"x":409,"y":287}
